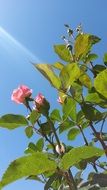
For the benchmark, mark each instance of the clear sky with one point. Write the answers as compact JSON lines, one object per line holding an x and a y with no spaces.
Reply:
{"x":28,"y":30}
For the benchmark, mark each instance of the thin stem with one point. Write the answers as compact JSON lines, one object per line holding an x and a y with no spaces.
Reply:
{"x":99,"y":137}
{"x":70,"y":180}
{"x":54,"y":131}
{"x":101,"y":130}
{"x":86,"y":142}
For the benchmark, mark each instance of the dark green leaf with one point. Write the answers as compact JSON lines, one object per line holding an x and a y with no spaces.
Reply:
{"x":27,"y":165}
{"x":50,"y":181}
{"x":78,"y":154}
{"x":91,"y":57}
{"x":73,"y":133}
{"x":49,"y":74}
{"x":40,"y":144}
{"x":66,"y":125}
{"x":91,"y":113}
{"x":29,"y":131}
{"x":55,"y":115}
{"x":34,"y":116}
{"x":12,"y":121}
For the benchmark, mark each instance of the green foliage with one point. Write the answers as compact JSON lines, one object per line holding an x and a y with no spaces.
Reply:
{"x":73,"y":133}
{"x":69,"y":74}
{"x":69,"y":109}
{"x":78,"y":154}
{"x":34,"y":116}
{"x":82,"y":91}
{"x":49,"y":74}
{"x":12,"y":121}
{"x":62,"y":52}
{"x":29,"y":131}
{"x":27,"y":165}
{"x":100,"y":83}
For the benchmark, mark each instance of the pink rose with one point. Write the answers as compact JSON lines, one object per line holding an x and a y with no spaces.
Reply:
{"x":60,"y":100}
{"x":20,"y":94}
{"x":40,"y":99}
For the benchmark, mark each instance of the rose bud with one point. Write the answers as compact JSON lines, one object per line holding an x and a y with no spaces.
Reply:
{"x":42,"y":105}
{"x":60,"y":150}
{"x":20,"y":94}
{"x":60,"y":100}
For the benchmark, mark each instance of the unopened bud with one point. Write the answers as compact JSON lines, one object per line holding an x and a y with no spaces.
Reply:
{"x":60,"y":150}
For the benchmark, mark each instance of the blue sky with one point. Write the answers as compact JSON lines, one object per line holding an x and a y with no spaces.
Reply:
{"x":37,"y":25}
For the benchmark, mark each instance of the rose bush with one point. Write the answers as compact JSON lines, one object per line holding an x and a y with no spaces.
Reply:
{"x":82,"y":92}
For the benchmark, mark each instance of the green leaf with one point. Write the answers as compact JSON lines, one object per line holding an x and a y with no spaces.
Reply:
{"x":73,"y":133}
{"x":62,"y":52}
{"x":40,"y":144}
{"x":69,"y":74}
{"x":50,"y":181}
{"x":29,"y":131}
{"x":45,"y":128}
{"x":98,"y":68}
{"x":66,"y":125}
{"x":34,"y":116}
{"x":94,"y":98}
{"x":91,"y":57}
{"x":105,"y":58}
{"x":83,"y":44}
{"x":85,"y":80}
{"x":55,"y":115}
{"x":34,"y":164}
{"x":49,"y":74}
{"x":58,"y":65}
{"x":69,"y":109}
{"x":91,"y":113}
{"x":94,"y":39}
{"x":100,"y":83}
{"x":12,"y":121}
{"x":76,"y":155}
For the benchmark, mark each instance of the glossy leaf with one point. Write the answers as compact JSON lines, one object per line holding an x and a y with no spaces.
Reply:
{"x":12,"y":121}
{"x":49,"y":74}
{"x":100,"y":83}
{"x":78,"y":154}
{"x":69,"y":74}
{"x":62,"y":52}
{"x":27,"y":165}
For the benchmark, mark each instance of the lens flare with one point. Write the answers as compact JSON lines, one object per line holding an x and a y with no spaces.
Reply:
{"x":12,"y":46}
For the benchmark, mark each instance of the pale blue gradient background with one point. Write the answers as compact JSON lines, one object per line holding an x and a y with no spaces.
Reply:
{"x":37,"y":24}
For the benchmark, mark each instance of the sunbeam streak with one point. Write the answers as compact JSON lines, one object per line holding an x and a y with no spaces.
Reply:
{"x":12,"y":45}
